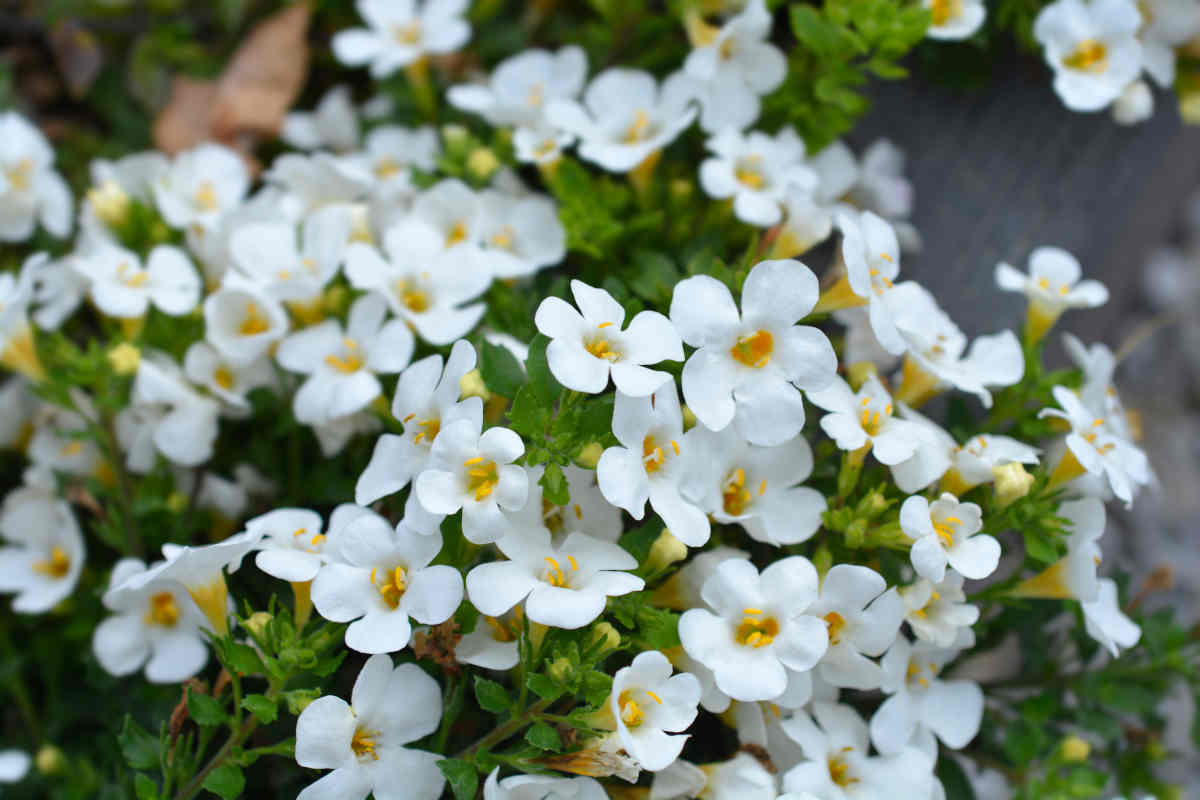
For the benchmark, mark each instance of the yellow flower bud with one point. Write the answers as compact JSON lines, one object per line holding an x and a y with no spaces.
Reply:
{"x":1075,"y":749}
{"x":689,"y":418}
{"x":482,"y":162}
{"x":589,"y":456}
{"x":50,"y":760}
{"x":1012,"y":483}
{"x":665,"y":551}
{"x":177,"y":502}
{"x":125,"y":358}
{"x":455,"y":135}
{"x":559,"y":669}
{"x":471,"y":385}
{"x":257,"y":623}
{"x":607,"y":635}
{"x":109,"y":203}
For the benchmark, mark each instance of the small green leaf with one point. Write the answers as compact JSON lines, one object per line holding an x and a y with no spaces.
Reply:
{"x":298,"y":699}
{"x":544,"y":687}
{"x":140,"y":749}
{"x":262,"y":707}
{"x":491,"y":696}
{"x":1040,"y":548}
{"x":204,"y":710}
{"x":145,"y":788}
{"x":462,"y":777}
{"x":596,"y":687}
{"x":243,"y":659}
{"x":554,"y":485}
{"x":226,"y":781}
{"x":543,"y":737}
{"x":954,"y":781}
{"x":501,"y":371}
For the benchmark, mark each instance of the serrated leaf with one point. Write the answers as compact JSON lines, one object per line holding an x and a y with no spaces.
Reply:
{"x":262,"y":707}
{"x":462,"y":777}
{"x":1039,"y":548}
{"x":204,"y":710}
{"x":544,"y":687}
{"x":243,"y":659}
{"x":554,"y":485}
{"x":140,"y":749}
{"x":298,"y":699}
{"x":491,"y":696}
{"x":596,"y":687}
{"x":226,"y":781}
{"x":543,"y":737}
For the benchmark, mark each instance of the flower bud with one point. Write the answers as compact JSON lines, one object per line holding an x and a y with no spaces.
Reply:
{"x":689,"y":418}
{"x":257,"y":623}
{"x":482,"y":163}
{"x":606,"y":635}
{"x":1075,"y":749}
{"x":125,"y":358}
{"x":1012,"y":483}
{"x":559,"y":669}
{"x":665,"y":551}
{"x":109,"y":203}
{"x":177,"y":502}
{"x":472,"y":385}
{"x":50,"y":760}
{"x":858,"y":372}
{"x":589,"y":456}
{"x":455,"y":135}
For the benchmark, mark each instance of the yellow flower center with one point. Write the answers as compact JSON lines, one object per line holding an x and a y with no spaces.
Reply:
{"x":1090,"y":55}
{"x":757,"y":629}
{"x":20,"y":175}
{"x":133,"y":278}
{"x":754,"y":349}
{"x":736,"y":498}
{"x":555,"y":575}
{"x":599,"y":346}
{"x":387,"y":167}
{"x":408,"y":34}
{"x":653,"y":455}
{"x":945,"y":528}
{"x":205,"y":197}
{"x":482,"y":476}
{"x":254,"y":321}
{"x":56,"y":566}
{"x":393,"y":585}
{"x":944,"y":11}
{"x":638,"y":129}
{"x":457,"y":234}
{"x":500,"y":631}
{"x":836,"y":623}
{"x":631,"y":713}
{"x":313,"y":544}
{"x":749,"y":172}
{"x":363,"y":744}
{"x":352,"y":361}
{"x":223,"y":377}
{"x":71,"y":448}
{"x":414,"y":298}
{"x":163,"y":610}
{"x":839,"y":770}
{"x":429,"y":428}
{"x":503,"y":238}
{"x":873,"y":421}
{"x":916,"y":673}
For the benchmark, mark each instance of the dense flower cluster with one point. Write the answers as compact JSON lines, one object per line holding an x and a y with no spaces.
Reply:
{"x":809,"y":568}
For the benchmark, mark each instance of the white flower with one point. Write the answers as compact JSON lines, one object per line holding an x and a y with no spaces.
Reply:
{"x":954,"y":19}
{"x":863,"y":617}
{"x":242,"y":321}
{"x":757,"y":171}
{"x":647,"y":702}
{"x":156,"y":624}
{"x":755,"y":487}
{"x":871,"y":253}
{"x":750,"y":366}
{"x":946,"y":532}
{"x":519,"y":88}
{"x":1098,"y":365}
{"x":625,"y":117}
{"x":1106,"y":623}
{"x":342,"y":364}
{"x":563,"y":586}
{"x":588,"y":512}
{"x":758,"y":637}
{"x":1092,"y":48}
{"x":1097,"y":447}
{"x":333,"y":435}
{"x":1073,"y":575}
{"x":1052,"y":286}
{"x":835,"y":741}
{"x":541,"y":145}
{"x":13,"y":765}
{"x":879,"y":185}
{"x":379,"y":577}
{"x":540,"y":787}
{"x":1135,"y":103}
{"x":1166,"y":24}
{"x":867,"y":417}
{"x":115,"y":185}
{"x":650,"y":463}
{"x":455,"y":211}
{"x":740,"y":778}
{"x":952,"y":710}
{"x":200,"y":186}
{"x":392,"y":151}
{"x":19,"y":406}
{"x":474,"y":472}
{"x":493,"y":644}
{"x":56,"y":287}
{"x":268,"y":254}
{"x":938,"y":613}
{"x":291,"y":544}
{"x":935,"y":350}
{"x":682,"y":590}
{"x":58,"y":443}
{"x":736,"y":65}
{"x":426,"y":400}
{"x":227,"y":381}
{"x":322,"y":179}
{"x":363,"y":741}
{"x":333,"y":123}
{"x":960,"y":467}
{"x":401,"y":32}
{"x":424,"y":282}
{"x":17,"y":350}
{"x":121,"y":287}
{"x":167,"y":415}
{"x":30,"y":189}
{"x":44,"y":552}
{"x":520,"y":235}
{"x":588,"y":345}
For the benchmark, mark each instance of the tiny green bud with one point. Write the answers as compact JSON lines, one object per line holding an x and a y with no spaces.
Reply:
{"x":823,"y":560}
{"x":177,"y":502}
{"x":665,"y":551}
{"x":257,"y":623}
{"x":50,"y":760}
{"x":607,"y":636}
{"x":560,"y":669}
{"x":482,"y":163}
{"x":1012,"y":483}
{"x":872,"y":505}
{"x":455,"y":135}
{"x":124,"y":358}
{"x":689,"y":418}
{"x":1074,"y":749}
{"x":589,"y":456}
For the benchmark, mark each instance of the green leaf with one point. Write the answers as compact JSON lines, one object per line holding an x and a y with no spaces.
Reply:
{"x":462,"y":777}
{"x":140,"y":749}
{"x":491,"y":696}
{"x":954,"y":781}
{"x":262,"y":707}
{"x":204,"y":710}
{"x":145,"y":788}
{"x":554,"y":485}
{"x":243,"y":659}
{"x":544,"y":687}
{"x":1023,"y":741}
{"x":298,"y":699}
{"x":501,"y":371}
{"x":543,"y":737}
{"x":226,"y":781}
{"x":596,"y":687}
{"x":1039,"y":548}
{"x":654,"y":277}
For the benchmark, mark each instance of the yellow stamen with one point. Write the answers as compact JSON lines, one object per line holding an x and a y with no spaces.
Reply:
{"x":163,"y":610}
{"x":56,"y":566}
{"x":408,"y":34}
{"x":395,"y":584}
{"x":363,"y":745}
{"x":754,"y":349}
{"x":757,"y":631}
{"x":223,"y":377}
{"x":836,"y":623}
{"x":1090,"y":55}
{"x":205,"y":197}
{"x":652,"y":455}
{"x":574,"y":563}
{"x":554,"y":575}
{"x":20,"y":175}
{"x":600,"y":349}
{"x":413,"y":298}
{"x":944,"y":11}
{"x":254,"y":321}
{"x":457,"y":234}
{"x":482,"y":479}
{"x":654,"y":697}
{"x":638,"y":129}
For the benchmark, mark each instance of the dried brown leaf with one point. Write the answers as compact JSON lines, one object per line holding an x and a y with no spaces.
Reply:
{"x":78,"y":55}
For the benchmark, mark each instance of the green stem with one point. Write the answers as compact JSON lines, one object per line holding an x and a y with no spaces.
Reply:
{"x":193,"y":787}
{"x":133,"y":542}
{"x":507,"y":730}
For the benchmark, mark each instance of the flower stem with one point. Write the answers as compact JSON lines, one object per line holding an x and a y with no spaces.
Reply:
{"x":507,"y":730}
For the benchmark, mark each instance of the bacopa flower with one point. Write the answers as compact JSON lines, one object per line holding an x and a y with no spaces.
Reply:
{"x":1092,"y":47}
{"x":200,"y":185}
{"x":342,"y":364}
{"x":938,"y":612}
{"x":473,"y":471}
{"x":758,"y":637}
{"x":30,"y":189}
{"x":588,"y":512}
{"x":44,"y":552}
{"x":750,"y":365}
{"x":155,"y":624}
{"x":588,"y":345}
{"x":865,"y":418}
{"x":493,"y":644}
{"x":563,"y":586}
{"x":541,"y":787}
{"x":946,"y":532}
{"x":401,"y":33}
{"x":1073,"y":575}
{"x":520,"y":235}
{"x":650,"y":463}
{"x":167,"y":416}
{"x":225,"y":380}
{"x":391,"y":151}
{"x":363,"y":741}
{"x":333,"y":123}
{"x":269,"y":255}
{"x":954,"y":19}
{"x":647,"y":703}
{"x":757,"y":171}
{"x":242,"y":321}
{"x":1052,"y":287}
{"x":863,"y":617}
{"x":1105,"y":622}
{"x":14,"y":764}
{"x":121,"y":286}
{"x":519,"y":88}
{"x":871,"y":254}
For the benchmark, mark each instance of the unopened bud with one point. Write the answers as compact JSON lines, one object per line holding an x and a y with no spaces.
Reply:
{"x":50,"y":760}
{"x":257,"y":623}
{"x":482,"y":163}
{"x":560,"y":669}
{"x":1075,"y":749}
{"x":1012,"y":483}
{"x":606,"y":636}
{"x":335,"y":299}
{"x":125,"y":358}
{"x":471,"y":385}
{"x":109,"y":203}
{"x":589,"y":456}
{"x":665,"y":551}
{"x":858,"y":372}
{"x":681,"y":189}
{"x":455,"y":135}
{"x":177,"y":502}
